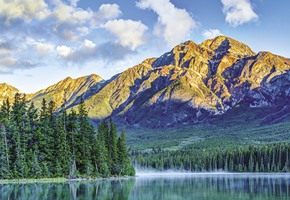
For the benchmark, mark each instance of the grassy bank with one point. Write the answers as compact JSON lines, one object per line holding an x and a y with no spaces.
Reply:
{"x":42,"y":180}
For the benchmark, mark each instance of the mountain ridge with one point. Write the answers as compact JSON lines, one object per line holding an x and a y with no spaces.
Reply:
{"x":188,"y":83}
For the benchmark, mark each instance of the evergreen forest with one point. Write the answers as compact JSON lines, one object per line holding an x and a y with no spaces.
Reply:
{"x":249,"y":158}
{"x":43,"y":143}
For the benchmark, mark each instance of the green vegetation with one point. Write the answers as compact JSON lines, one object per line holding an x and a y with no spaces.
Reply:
{"x":239,"y":126}
{"x":263,"y":158}
{"x":42,"y":144}
{"x":39,"y":180}
{"x":223,"y":136}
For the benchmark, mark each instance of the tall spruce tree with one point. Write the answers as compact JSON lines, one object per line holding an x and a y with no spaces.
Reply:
{"x":44,"y":143}
{"x":125,"y":166}
{"x":4,"y":154}
{"x":85,"y":136}
{"x":100,"y":158}
{"x":112,"y":147}
{"x":72,"y":129}
{"x":61,"y":151}
{"x":5,"y":115}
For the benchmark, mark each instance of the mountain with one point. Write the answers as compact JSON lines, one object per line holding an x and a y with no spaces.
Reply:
{"x":70,"y":89}
{"x":190,"y":84}
{"x":7,"y":91}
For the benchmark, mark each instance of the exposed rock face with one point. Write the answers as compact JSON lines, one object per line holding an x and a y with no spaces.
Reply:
{"x":7,"y":91}
{"x":70,"y":89}
{"x":193,"y":81}
{"x":185,"y":85}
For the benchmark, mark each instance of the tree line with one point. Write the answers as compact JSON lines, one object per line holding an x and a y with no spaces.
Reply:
{"x":252,"y":158}
{"x":42,"y":143}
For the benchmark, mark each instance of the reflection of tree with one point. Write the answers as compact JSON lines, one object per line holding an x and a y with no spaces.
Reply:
{"x":118,"y":189}
{"x":208,"y":187}
{"x":215,"y":187}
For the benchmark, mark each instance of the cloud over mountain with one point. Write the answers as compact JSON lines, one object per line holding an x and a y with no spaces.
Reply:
{"x":238,"y":12}
{"x":171,"y":20}
{"x":129,"y":33}
{"x":211,"y":33}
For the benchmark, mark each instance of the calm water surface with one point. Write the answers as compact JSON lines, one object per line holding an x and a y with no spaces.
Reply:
{"x":158,"y":187}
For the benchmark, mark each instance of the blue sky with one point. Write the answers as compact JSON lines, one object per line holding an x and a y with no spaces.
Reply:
{"x":47,"y":40}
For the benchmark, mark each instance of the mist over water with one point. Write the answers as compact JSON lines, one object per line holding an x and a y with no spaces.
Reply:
{"x":160,"y":185}
{"x":174,"y":173}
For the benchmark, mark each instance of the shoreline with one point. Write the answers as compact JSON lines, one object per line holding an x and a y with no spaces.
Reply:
{"x":57,"y":180}
{"x":149,"y":175}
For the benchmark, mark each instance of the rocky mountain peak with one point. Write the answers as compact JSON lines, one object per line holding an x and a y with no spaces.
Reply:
{"x":5,"y":86}
{"x":185,"y":85}
{"x":223,"y":44}
{"x":7,"y":91}
{"x":68,"y":88}
{"x":95,"y":77}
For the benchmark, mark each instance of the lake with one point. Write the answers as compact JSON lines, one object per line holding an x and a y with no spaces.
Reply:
{"x":159,"y":186}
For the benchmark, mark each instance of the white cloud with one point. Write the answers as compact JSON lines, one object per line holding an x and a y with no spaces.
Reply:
{"x":109,"y":11}
{"x":174,"y":24}
{"x":75,"y":15}
{"x":44,"y":47}
{"x":129,"y":33}
{"x":23,"y":9}
{"x":41,"y":46}
{"x":238,"y":12}
{"x":83,"y":30}
{"x":89,"y":44}
{"x":64,"y":51}
{"x":74,"y":3}
{"x":6,"y":47}
{"x":71,"y":14}
{"x":55,"y":31}
{"x":211,"y":33}
{"x":63,"y":12}
{"x":8,"y":61}
{"x":74,"y":23}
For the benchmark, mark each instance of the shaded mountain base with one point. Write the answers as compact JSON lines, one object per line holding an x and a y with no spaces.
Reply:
{"x":238,"y":126}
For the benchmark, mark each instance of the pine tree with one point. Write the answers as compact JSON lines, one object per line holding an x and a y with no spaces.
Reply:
{"x":85,"y":136}
{"x":5,"y":116}
{"x":49,"y":127}
{"x":61,"y":149}
{"x":4,"y":156}
{"x":20,"y":167}
{"x":4,"y":153}
{"x":56,"y":144}
{"x":100,"y":158}
{"x":35,"y":165}
{"x":112,"y":147}
{"x":125,"y":166}
{"x":20,"y":137}
{"x":72,"y":138}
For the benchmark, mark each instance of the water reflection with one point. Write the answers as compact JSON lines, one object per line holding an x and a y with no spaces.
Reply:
{"x":216,"y":186}
{"x":169,"y":186}
{"x":118,"y":189}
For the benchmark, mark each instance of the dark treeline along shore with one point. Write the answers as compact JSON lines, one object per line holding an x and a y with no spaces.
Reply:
{"x":251,"y":158}
{"x":43,"y":144}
